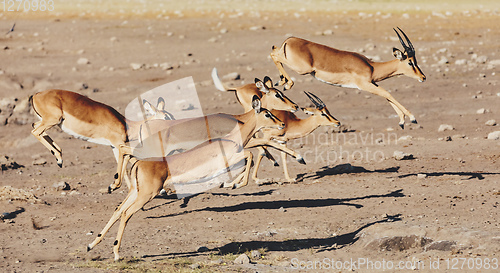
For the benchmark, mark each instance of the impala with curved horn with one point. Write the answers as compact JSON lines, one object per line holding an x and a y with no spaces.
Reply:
{"x":150,"y":176}
{"x":295,"y":128}
{"x":348,"y":69}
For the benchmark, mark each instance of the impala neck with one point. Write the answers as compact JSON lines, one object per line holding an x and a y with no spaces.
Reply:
{"x":247,"y":125}
{"x":384,"y":70}
{"x":300,"y":128}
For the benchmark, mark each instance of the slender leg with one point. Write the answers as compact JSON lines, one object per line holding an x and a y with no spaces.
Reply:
{"x":131,"y":197}
{"x":256,"y":167}
{"x":123,"y":151}
{"x":244,"y":182}
{"x":265,"y":142}
{"x":377,"y":90}
{"x":139,"y":202}
{"x":284,"y":77}
{"x":38,"y":131}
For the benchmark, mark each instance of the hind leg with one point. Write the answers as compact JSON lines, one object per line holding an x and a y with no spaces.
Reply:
{"x":38,"y":131}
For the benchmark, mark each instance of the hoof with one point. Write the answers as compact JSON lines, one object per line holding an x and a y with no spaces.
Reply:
{"x":88,"y":248}
{"x":301,"y":161}
{"x":402,"y":125}
{"x":109,"y":189}
{"x":276,"y":164}
{"x":414,"y":121}
{"x":59,"y":164}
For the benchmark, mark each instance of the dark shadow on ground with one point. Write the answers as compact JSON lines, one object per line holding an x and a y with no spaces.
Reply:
{"x":287,"y":204}
{"x":321,"y":244}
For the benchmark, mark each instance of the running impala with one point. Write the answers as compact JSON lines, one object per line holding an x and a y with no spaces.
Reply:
{"x":348,"y":69}
{"x":296,"y":128}
{"x":159,"y":138}
{"x":150,"y":176}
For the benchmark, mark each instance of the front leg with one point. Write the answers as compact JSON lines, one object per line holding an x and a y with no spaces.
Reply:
{"x":265,"y":142}
{"x":284,"y":77}
{"x":377,"y":90}
{"x":124,"y":153}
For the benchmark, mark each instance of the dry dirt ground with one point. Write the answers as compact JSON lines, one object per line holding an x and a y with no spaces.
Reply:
{"x":354,"y":206}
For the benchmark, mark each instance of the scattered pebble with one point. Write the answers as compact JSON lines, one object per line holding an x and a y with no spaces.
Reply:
{"x":445,"y":127}
{"x":242,"y":259}
{"x":39,"y":161}
{"x":481,"y":111}
{"x":494,"y":135}
{"x":399,"y":155}
{"x":255,"y":254}
{"x":61,"y":186}
{"x":83,"y":61}
{"x":137,"y":66}
{"x":491,"y":122}
{"x":421,"y":176}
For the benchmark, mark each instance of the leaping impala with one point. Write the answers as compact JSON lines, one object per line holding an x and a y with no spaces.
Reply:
{"x":164,"y":137}
{"x":150,"y":176}
{"x":296,"y":128}
{"x":271,"y":98}
{"x":86,"y":119}
{"x":348,"y":69}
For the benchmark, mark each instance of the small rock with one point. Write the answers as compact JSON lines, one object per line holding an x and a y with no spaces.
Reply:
{"x":242,"y":259}
{"x":399,"y":155}
{"x":254,"y":28}
{"x":61,"y":186}
{"x":494,"y":135}
{"x":405,"y":138}
{"x":443,"y":60}
{"x":39,"y":161}
{"x":137,"y":66}
{"x":83,"y":61}
{"x":491,"y":122}
{"x":461,"y":62}
{"x":481,"y":111}
{"x":255,"y":254}
{"x":445,"y":127}
{"x":327,"y":32}
{"x":194,"y":266}
{"x":281,"y":209}
{"x":421,"y":176}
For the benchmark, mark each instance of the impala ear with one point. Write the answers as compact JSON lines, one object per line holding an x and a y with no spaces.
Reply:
{"x":150,"y":109}
{"x":398,"y":54}
{"x":161,"y":104}
{"x":268,"y":82}
{"x":262,"y":87}
{"x":256,"y":105}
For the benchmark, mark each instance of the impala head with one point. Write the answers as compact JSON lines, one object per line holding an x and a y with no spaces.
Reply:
{"x":320,"y":112}
{"x":264,"y":117}
{"x":273,"y":98}
{"x":157,"y":112}
{"x":409,"y":66}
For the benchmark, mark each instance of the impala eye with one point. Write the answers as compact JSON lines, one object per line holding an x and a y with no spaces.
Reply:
{"x":267,"y":115}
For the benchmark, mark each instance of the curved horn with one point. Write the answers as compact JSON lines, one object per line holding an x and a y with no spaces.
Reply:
{"x":407,"y":40}
{"x":319,"y":100}
{"x":401,"y":40}
{"x":316,"y":103}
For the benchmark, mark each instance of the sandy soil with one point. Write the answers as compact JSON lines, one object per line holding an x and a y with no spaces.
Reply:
{"x":353,"y":200}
